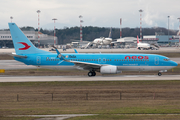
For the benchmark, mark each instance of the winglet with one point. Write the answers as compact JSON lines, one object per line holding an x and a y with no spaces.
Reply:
{"x":61,"y":57}
{"x":137,"y":39}
{"x":75,"y":51}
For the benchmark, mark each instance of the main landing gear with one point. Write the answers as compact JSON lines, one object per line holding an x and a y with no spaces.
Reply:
{"x":91,"y":73}
{"x":159,"y":73}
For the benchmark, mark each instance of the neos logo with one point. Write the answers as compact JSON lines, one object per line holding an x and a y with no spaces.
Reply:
{"x":136,"y":57}
{"x":26,"y":46}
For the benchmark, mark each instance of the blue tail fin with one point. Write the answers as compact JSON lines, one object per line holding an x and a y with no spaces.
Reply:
{"x":21,"y":43}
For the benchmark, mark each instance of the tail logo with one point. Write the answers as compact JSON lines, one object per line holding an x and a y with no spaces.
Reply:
{"x":26,"y":46}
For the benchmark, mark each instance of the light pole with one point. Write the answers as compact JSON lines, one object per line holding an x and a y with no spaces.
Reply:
{"x":54,"y":31}
{"x":81,"y":21}
{"x":168,"y":29}
{"x":179,"y":32}
{"x":140,"y":24}
{"x":120,"y":28}
{"x":38,"y":11}
{"x":11,"y":18}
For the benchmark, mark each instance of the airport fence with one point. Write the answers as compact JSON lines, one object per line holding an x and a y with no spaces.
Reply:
{"x":90,"y":96}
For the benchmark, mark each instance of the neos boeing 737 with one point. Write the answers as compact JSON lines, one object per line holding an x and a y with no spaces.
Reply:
{"x":27,"y":53}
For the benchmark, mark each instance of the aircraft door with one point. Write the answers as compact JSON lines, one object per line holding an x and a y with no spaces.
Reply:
{"x":156,"y":60}
{"x":38,"y":60}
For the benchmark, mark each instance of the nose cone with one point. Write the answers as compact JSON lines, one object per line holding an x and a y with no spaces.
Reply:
{"x":174,"y":63}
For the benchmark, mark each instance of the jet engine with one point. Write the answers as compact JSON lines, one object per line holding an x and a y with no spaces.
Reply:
{"x":109,"y":69}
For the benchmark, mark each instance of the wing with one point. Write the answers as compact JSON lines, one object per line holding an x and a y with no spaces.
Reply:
{"x":86,"y":65}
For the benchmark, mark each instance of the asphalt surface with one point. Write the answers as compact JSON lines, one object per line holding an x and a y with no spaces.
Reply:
{"x":86,"y":78}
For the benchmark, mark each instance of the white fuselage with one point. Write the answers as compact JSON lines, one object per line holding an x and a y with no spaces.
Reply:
{"x":102,"y":41}
{"x":143,"y":45}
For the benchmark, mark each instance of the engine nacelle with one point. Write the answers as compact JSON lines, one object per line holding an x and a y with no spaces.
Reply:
{"x":109,"y":69}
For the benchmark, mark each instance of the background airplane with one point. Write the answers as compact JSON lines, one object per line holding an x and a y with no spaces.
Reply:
{"x":146,"y":46}
{"x":103,"y":40}
{"x":27,"y":53}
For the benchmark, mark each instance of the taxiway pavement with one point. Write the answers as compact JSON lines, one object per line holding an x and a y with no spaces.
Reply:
{"x":86,"y":78}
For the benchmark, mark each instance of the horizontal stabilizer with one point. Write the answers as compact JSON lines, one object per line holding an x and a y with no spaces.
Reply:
{"x":19,"y":56}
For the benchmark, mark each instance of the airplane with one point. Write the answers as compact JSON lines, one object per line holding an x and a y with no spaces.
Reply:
{"x":103,"y":40}
{"x":27,"y":53}
{"x":142,"y":46}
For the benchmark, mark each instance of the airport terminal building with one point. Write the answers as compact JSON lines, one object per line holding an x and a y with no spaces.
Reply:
{"x":45,"y":40}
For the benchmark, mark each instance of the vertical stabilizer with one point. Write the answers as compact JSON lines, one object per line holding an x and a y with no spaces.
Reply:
{"x":21,"y":43}
{"x":110,"y":34}
{"x":137,"y":39}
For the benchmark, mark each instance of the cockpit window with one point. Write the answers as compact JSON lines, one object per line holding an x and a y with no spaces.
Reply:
{"x":166,"y":59}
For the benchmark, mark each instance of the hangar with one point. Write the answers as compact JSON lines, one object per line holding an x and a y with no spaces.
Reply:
{"x":45,"y":40}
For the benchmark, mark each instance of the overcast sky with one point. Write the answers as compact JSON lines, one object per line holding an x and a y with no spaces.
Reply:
{"x":101,"y":13}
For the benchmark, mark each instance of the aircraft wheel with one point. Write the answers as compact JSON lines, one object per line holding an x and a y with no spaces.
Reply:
{"x":90,"y":74}
{"x":94,"y":73}
{"x":159,"y":74}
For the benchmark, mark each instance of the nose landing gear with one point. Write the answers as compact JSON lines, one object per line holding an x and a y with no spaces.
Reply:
{"x":159,"y":73}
